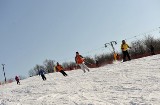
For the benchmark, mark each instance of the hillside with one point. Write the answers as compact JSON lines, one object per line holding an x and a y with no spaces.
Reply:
{"x":135,"y":82}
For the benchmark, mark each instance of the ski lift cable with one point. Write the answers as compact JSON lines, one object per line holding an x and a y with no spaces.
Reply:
{"x":133,"y":37}
{"x":142,"y":34}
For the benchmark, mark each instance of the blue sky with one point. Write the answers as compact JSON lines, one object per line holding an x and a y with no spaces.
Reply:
{"x":34,"y":30}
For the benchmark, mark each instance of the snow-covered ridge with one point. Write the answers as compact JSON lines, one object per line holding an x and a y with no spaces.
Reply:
{"x":135,"y":82}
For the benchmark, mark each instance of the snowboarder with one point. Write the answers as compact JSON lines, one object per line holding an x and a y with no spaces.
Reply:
{"x":59,"y":68}
{"x":124,"y":48}
{"x":17,"y":79}
{"x":42,"y":72}
{"x":152,"y":50}
{"x":80,"y":61}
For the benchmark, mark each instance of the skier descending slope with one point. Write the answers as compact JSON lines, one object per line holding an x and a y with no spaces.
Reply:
{"x":124,"y":47}
{"x":42,"y":72}
{"x":17,"y":79}
{"x":152,"y":50}
{"x":60,"y":69}
{"x":80,"y":61}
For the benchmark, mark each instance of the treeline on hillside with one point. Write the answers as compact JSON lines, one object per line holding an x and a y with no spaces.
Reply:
{"x":48,"y":66}
{"x":139,"y":48}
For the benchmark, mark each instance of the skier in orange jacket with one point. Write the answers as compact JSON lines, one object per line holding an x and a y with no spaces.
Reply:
{"x":80,"y":61}
{"x":60,"y":69}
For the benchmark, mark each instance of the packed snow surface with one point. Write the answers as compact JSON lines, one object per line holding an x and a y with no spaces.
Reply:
{"x":135,"y":82}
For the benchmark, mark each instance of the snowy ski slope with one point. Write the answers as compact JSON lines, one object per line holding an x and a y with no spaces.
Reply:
{"x":135,"y":82}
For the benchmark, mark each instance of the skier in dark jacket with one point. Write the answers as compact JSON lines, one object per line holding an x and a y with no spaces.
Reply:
{"x":152,"y":50}
{"x":97,"y":63}
{"x":42,"y":72}
{"x":17,"y":79}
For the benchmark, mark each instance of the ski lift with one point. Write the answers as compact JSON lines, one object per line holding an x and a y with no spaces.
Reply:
{"x":106,"y":44}
{"x":111,"y":44}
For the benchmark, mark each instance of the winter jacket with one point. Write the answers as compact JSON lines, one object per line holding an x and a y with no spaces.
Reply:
{"x":59,"y":68}
{"x":16,"y":78}
{"x":124,"y":47}
{"x":42,"y":72}
{"x":79,"y":59}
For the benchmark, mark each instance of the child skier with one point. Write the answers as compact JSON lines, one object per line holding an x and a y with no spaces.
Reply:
{"x":80,"y":61}
{"x":124,"y":48}
{"x":42,"y":72}
{"x":17,"y":79}
{"x":59,"y":68}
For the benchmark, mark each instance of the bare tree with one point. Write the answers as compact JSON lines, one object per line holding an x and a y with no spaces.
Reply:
{"x":69,"y":65}
{"x":66,"y":64}
{"x":138,"y":47}
{"x":104,"y":58}
{"x":49,"y":65}
{"x":35,"y":70}
{"x":32,"y":73}
{"x":38,"y":67}
{"x":89,"y":60}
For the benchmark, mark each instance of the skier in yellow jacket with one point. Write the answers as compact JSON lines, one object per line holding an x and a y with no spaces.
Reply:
{"x":124,"y":48}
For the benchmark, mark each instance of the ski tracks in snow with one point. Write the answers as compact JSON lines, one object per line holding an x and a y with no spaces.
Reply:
{"x":135,"y":82}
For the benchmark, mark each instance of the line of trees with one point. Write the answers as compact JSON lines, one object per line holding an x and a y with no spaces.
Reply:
{"x":138,"y":49}
{"x":48,"y":66}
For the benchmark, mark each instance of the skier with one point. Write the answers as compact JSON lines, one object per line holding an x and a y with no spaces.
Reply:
{"x":80,"y":61}
{"x":59,"y":68}
{"x":17,"y":79}
{"x":97,"y":63}
{"x":124,"y":48}
{"x":42,"y":72}
{"x":152,"y":50}
{"x":118,"y":56}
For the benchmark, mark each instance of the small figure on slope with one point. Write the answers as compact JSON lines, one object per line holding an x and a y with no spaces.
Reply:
{"x":124,"y":48}
{"x":118,"y":56}
{"x":97,"y":63}
{"x":42,"y":73}
{"x":152,"y":50}
{"x":17,"y":79}
{"x":59,"y":68}
{"x":80,"y":61}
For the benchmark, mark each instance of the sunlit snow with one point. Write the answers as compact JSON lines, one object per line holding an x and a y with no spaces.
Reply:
{"x":135,"y":82}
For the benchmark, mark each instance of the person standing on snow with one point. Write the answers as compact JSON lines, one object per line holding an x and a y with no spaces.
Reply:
{"x":42,"y":72}
{"x":152,"y":50}
{"x":80,"y":61}
{"x":17,"y":79}
{"x":124,"y":48}
{"x":97,"y":63}
{"x":59,"y":68}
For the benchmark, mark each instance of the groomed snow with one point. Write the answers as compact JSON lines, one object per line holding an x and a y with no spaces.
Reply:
{"x":135,"y":82}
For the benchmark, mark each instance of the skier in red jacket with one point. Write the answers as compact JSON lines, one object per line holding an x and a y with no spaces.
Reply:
{"x":17,"y":79}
